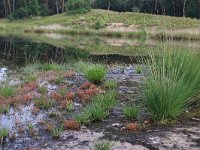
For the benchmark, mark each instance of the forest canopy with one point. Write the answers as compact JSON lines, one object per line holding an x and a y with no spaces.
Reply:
{"x":17,"y":9}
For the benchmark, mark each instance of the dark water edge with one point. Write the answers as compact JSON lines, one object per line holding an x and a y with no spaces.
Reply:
{"x":16,"y":52}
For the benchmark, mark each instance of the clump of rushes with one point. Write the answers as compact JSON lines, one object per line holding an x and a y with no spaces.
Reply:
{"x":56,"y":131}
{"x":94,"y":72}
{"x":42,"y":89}
{"x":43,"y":103}
{"x":111,"y":84}
{"x":98,"y":109}
{"x":103,"y":146}
{"x":3,"y":133}
{"x":7,"y":91}
{"x":131,"y":112}
{"x":172,"y":80}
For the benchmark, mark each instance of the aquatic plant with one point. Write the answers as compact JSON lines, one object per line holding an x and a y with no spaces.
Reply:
{"x":131,"y":112}
{"x":3,"y":133}
{"x":172,"y":80}
{"x":103,"y":145}
{"x":7,"y":91}
{"x":94,"y":72}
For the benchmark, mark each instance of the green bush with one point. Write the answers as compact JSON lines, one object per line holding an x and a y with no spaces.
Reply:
{"x":78,"y":6}
{"x":172,"y":80}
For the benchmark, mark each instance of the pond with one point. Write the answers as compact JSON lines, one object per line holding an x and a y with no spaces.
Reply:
{"x":21,"y":49}
{"x":32,"y":125}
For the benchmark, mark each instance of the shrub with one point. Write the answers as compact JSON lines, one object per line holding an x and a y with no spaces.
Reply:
{"x":172,"y":80}
{"x":78,"y":6}
{"x":94,"y":73}
{"x":131,"y":112}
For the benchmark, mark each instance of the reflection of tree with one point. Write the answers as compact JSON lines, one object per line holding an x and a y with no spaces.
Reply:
{"x":20,"y":52}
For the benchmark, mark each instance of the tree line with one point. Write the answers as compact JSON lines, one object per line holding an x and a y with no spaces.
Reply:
{"x":17,"y":9}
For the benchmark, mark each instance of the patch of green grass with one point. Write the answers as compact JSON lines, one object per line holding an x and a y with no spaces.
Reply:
{"x":30,"y":126}
{"x":56,"y":131}
{"x":3,"y":133}
{"x":172,"y":80}
{"x":131,"y":112}
{"x":50,"y":66}
{"x":103,"y":146}
{"x":43,"y":103}
{"x":42,"y":89}
{"x":7,"y":91}
{"x":94,"y":72}
{"x":70,"y":107}
{"x":111,"y":84}
{"x":138,"y":69}
{"x":59,"y":79}
{"x":98,"y":109}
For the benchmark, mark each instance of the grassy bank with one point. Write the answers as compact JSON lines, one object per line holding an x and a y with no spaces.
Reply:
{"x":108,"y":23}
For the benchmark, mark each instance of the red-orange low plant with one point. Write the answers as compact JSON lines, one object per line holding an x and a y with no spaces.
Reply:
{"x":72,"y":125}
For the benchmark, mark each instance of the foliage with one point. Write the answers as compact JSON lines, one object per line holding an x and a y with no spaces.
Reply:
{"x":103,"y":146}
{"x":78,"y":6}
{"x":44,"y":103}
{"x":3,"y":133}
{"x":173,"y":79}
{"x":94,"y":72}
{"x":7,"y":91}
{"x":56,"y":131}
{"x":98,"y":109}
{"x":131,"y":112}
{"x":111,"y":84}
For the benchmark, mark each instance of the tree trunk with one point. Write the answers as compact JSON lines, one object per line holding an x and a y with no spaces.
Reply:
{"x":184,"y":7}
{"x":108,"y":5}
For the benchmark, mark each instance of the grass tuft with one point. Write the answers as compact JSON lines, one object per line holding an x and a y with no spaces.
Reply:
{"x":7,"y":91}
{"x":103,"y":146}
{"x":94,"y":72}
{"x":131,"y":112}
{"x":172,"y":80}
